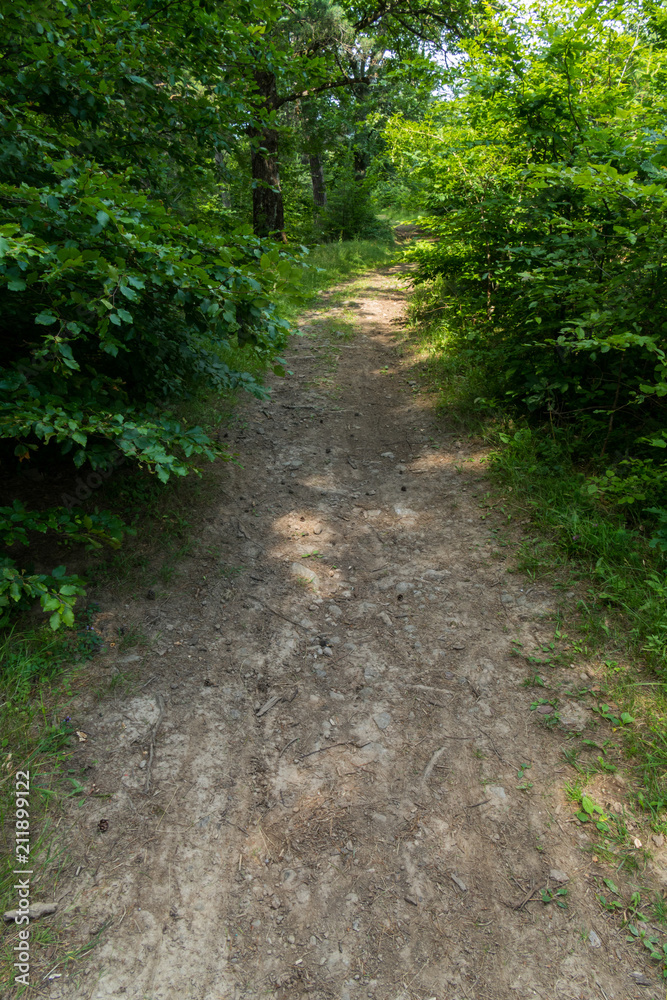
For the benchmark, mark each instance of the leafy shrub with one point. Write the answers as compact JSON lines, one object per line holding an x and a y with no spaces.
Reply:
{"x":349,"y":213}
{"x":121,"y":291}
{"x":546,"y":177}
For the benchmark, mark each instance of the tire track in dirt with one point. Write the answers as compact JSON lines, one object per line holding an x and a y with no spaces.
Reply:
{"x":333,"y":809}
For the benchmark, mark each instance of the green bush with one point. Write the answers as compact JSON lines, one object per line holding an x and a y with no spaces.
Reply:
{"x":546,"y":179}
{"x":349,"y":213}
{"x":122,"y":289}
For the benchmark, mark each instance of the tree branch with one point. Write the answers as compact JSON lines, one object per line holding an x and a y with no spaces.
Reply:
{"x":385,"y":8}
{"x":342,"y":81}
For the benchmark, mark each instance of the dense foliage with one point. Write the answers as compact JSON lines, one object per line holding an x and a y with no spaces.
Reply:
{"x":143,"y":235}
{"x":545,"y":176}
{"x":122,"y":286}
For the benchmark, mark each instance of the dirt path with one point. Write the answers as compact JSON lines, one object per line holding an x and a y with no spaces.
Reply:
{"x":331,"y":784}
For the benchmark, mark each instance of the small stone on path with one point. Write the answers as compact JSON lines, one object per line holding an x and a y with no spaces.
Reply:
{"x":594,"y":940}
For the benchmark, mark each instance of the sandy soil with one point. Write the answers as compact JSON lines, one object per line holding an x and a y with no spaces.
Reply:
{"x":328,"y":781}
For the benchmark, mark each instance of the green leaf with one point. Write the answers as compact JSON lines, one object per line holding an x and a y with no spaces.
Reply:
{"x":45,"y":319}
{"x":129,"y":293}
{"x":588,"y":805}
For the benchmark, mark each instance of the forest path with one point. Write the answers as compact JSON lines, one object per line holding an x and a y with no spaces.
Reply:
{"x":331,"y":784}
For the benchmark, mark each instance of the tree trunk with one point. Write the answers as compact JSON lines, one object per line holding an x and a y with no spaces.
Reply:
{"x":317,"y":178}
{"x":359,"y":166}
{"x":268,"y":216}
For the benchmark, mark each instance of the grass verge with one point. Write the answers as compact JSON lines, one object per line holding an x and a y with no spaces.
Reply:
{"x":332,"y":263}
{"x":583,"y":544}
{"x":36,"y":687}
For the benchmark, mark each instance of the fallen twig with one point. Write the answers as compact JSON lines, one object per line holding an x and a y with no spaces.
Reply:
{"x":271,"y":703}
{"x":347,"y":743}
{"x":160,"y":702}
{"x":279,"y":614}
{"x":288,"y":745}
{"x":527,"y":898}
{"x":433,"y":761}
{"x":274,"y":700}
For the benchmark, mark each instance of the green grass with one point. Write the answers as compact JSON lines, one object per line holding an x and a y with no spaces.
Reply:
{"x":581,"y":545}
{"x":332,"y":263}
{"x":37,"y":672}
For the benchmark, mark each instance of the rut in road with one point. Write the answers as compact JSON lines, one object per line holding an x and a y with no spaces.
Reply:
{"x":331,"y":783}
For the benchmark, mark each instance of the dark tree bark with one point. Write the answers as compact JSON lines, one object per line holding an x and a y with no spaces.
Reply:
{"x":268,"y":215}
{"x":317,"y":178}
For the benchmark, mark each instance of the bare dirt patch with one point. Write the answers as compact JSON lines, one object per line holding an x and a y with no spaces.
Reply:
{"x":328,"y":781}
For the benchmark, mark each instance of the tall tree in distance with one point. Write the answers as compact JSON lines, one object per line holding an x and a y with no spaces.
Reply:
{"x":317,"y":46}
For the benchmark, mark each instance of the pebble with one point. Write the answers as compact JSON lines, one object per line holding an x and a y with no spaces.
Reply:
{"x":328,"y":651}
{"x":658,"y":839}
{"x":594,"y":940}
{"x":435,"y":574}
{"x":382,"y":720}
{"x":558,"y":876}
{"x":298,"y":569}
